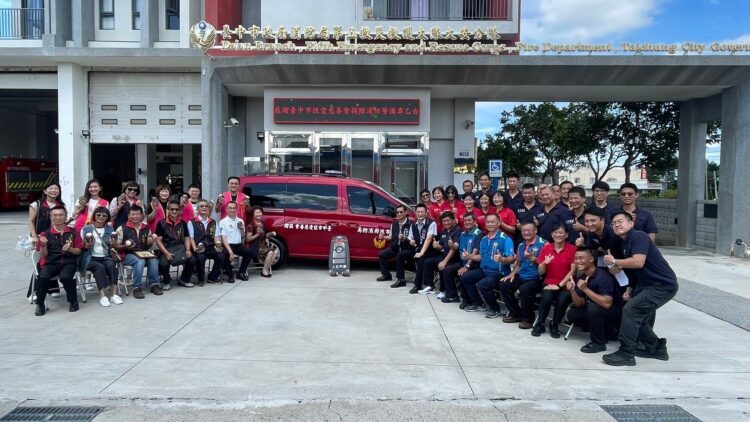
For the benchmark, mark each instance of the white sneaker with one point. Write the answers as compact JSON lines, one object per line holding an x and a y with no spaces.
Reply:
{"x":89,"y":287}
{"x":441,"y":295}
{"x":55,"y":295}
{"x":427,"y":290}
{"x":104,"y":301}
{"x":116,"y":299}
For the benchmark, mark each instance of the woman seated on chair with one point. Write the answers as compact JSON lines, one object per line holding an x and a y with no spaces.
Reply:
{"x":96,"y":259}
{"x":556,"y":264}
{"x":261,"y":247}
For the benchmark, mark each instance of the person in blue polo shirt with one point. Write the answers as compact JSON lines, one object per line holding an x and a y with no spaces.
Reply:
{"x":468,"y":245}
{"x":643,"y":220}
{"x":657,"y":285}
{"x":494,"y":257}
{"x":524,"y":278}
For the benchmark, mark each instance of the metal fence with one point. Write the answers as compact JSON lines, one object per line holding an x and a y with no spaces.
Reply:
{"x":21,"y":24}
{"x":436,"y":10}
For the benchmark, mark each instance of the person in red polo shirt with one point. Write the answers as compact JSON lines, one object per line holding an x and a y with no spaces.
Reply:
{"x":439,"y":206}
{"x":557,"y":265}
{"x":59,"y":248}
{"x":233,"y":195}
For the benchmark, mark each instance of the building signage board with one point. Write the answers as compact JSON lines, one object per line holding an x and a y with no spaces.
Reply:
{"x":371,"y":111}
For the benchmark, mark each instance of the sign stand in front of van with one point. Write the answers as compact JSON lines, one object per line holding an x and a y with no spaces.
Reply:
{"x":338,"y":258}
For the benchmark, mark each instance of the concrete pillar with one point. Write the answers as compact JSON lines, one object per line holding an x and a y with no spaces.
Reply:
{"x":149,"y":22}
{"x":142,"y":169}
{"x":463,"y":137}
{"x":60,"y":24}
{"x":691,"y":170}
{"x":734,"y":201}
{"x":190,"y":14}
{"x":236,"y":143}
{"x":187,"y":166}
{"x":83,"y":22}
{"x":214,"y":147}
{"x":74,"y":149}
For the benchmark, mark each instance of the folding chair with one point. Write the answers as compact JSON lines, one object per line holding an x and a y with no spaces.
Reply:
{"x":83,"y":280}
{"x":125,"y":278}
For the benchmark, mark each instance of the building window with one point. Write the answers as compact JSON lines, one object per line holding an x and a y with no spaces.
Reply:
{"x":109,"y":121}
{"x":137,"y":14}
{"x":173,"y":14}
{"x":138,"y":108}
{"x":106,"y":14}
{"x":166,"y":108}
{"x":137,"y":121}
{"x":168,"y":122}
{"x":194,"y":107}
{"x":109,"y":107}
{"x":194,"y":122}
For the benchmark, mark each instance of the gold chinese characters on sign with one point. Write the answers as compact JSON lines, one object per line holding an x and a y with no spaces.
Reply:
{"x":418,"y":40}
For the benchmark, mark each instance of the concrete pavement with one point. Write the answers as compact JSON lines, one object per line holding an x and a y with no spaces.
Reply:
{"x":303,"y":345}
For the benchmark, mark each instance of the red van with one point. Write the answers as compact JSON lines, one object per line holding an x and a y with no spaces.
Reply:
{"x":307,"y":210}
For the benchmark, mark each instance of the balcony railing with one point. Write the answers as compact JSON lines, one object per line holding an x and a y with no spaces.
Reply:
{"x":21,"y":24}
{"x":436,"y":10}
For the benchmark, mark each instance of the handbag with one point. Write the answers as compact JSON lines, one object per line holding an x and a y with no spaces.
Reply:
{"x":179,"y":255}
{"x":113,"y":254}
{"x":25,"y":244}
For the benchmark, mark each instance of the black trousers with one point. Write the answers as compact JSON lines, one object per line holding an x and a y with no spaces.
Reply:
{"x":429,"y":266}
{"x":560,"y":298}
{"x":403,"y":258}
{"x":637,"y":313}
{"x":527,"y":290}
{"x":187,"y":269}
{"x":449,"y":279}
{"x":221,"y":261}
{"x":246,"y":254}
{"x":66,"y":273}
{"x":601,"y":323}
{"x":104,"y":271}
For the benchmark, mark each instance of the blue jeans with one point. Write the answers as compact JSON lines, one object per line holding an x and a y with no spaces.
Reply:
{"x":138,"y":264}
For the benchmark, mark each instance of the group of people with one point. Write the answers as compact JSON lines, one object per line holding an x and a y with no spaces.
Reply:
{"x":597,"y":263}
{"x":168,"y":231}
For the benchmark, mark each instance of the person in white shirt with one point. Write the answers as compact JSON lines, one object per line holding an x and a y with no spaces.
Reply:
{"x":95,"y":256}
{"x":232,"y":234}
{"x":203,"y":241}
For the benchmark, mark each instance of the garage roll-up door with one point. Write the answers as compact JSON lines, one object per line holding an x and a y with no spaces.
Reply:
{"x":148,"y":108}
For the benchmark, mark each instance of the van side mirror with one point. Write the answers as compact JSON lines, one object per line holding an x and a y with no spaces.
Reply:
{"x":389,"y":211}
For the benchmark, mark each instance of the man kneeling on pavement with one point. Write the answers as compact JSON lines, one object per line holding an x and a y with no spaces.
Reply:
{"x":597,"y":303}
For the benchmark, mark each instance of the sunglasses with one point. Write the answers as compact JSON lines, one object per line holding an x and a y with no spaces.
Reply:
{"x":425,"y":195}
{"x":100,"y":214}
{"x":627,"y":193}
{"x":399,"y":212}
{"x":132,"y":189}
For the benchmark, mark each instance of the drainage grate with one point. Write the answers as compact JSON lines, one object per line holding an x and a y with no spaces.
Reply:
{"x":649,"y":412}
{"x":67,"y":414}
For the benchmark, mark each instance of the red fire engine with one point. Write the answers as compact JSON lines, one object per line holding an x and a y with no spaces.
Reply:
{"x":22,"y":180}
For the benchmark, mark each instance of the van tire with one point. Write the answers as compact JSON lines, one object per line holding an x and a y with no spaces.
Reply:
{"x":279,"y":245}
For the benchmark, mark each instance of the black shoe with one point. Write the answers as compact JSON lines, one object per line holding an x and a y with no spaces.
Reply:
{"x":230,"y":280}
{"x":414,"y":290}
{"x":593,"y":348}
{"x":213,"y":280}
{"x":156,"y":290}
{"x":73,"y":307}
{"x":538,"y":330}
{"x":463,"y":305}
{"x":40,"y":310}
{"x":384,"y":278}
{"x":660,"y":352}
{"x":619,"y":358}
{"x":264,"y":275}
{"x":242,"y":276}
{"x":399,"y":283}
{"x":554,"y":332}
{"x":138,"y":293}
{"x":450,"y":300}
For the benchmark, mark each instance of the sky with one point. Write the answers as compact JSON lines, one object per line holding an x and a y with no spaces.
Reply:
{"x":618,"y":21}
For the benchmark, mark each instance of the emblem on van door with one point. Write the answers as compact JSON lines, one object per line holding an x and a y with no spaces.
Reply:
{"x":202,"y":36}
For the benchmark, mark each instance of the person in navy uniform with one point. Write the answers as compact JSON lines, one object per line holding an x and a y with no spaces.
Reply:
{"x":643,"y":220}
{"x":657,"y":285}
{"x":446,"y":246}
{"x":513,"y":193}
{"x":597,"y":303}
{"x":526,"y":210}
{"x":400,"y":247}
{"x":550,"y":214}
{"x":577,"y":204}
{"x":600,"y":190}
{"x":58,"y":247}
